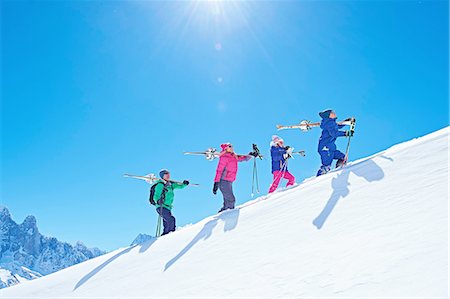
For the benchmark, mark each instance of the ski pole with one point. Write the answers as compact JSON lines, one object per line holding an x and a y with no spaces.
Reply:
{"x":352,"y":128}
{"x":255,"y":176}
{"x":257,"y":154}
{"x":280,"y":175}
{"x":158,"y":226}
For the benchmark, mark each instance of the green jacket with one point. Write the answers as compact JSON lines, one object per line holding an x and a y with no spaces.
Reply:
{"x":168,"y":201}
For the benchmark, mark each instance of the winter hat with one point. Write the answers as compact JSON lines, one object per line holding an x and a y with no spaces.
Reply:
{"x":275,"y":140}
{"x":325,"y":113}
{"x":225,"y":145}
{"x":163,"y":172}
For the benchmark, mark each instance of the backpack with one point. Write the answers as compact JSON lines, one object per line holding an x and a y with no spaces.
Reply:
{"x":152,"y":194}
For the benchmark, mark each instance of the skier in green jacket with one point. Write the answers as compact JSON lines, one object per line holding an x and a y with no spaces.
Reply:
{"x":163,"y":198}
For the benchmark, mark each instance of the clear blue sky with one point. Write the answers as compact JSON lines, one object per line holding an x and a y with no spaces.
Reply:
{"x":95,"y":89}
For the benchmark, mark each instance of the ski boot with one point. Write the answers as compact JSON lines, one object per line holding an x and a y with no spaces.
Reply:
{"x":340,"y":163}
{"x":323,"y":170}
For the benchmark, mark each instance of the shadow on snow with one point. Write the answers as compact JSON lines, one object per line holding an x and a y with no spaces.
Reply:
{"x":368,"y":169}
{"x":144,"y":247}
{"x":230,"y":219}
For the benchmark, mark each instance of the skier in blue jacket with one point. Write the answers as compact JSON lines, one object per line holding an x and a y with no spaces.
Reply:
{"x":327,"y":147}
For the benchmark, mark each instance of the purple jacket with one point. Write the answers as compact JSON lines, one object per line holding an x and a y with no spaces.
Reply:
{"x":228,"y":166}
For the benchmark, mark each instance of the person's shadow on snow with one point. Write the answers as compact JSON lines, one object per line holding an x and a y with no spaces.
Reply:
{"x":144,"y":246}
{"x":100,"y":267}
{"x":230,"y":219}
{"x":368,"y":169}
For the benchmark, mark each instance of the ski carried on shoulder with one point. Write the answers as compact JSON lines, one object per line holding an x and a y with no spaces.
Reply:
{"x":306,"y":125}
{"x":151,"y":179}
{"x":212,"y":153}
{"x":301,"y":153}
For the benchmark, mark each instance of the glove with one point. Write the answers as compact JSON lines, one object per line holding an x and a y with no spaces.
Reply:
{"x":186,"y":182}
{"x":349,"y":133}
{"x":254,"y":154}
{"x":348,"y":119}
{"x":288,"y":153}
{"x":287,"y":147}
{"x":215,"y":188}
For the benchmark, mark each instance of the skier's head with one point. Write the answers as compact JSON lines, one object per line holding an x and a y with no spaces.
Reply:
{"x":329,"y":113}
{"x":277,"y":141}
{"x":164,"y":174}
{"x":227,"y":147}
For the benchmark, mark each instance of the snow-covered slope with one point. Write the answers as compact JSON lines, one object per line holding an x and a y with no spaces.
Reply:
{"x":378,"y":228}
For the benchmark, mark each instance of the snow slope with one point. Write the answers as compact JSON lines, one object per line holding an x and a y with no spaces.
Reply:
{"x":378,"y":228}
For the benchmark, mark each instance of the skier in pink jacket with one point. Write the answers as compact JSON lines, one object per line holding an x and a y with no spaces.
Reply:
{"x":226,"y":174}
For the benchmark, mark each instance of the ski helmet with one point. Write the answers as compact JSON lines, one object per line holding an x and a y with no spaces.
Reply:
{"x":163,"y":172}
{"x":325,"y":113}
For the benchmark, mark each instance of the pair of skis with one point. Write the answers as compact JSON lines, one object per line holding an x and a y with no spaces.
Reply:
{"x":211,"y":154}
{"x":306,"y":125}
{"x":152,"y":178}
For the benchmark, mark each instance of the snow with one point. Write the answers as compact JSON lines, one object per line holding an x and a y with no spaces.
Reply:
{"x":378,"y":228}
{"x":8,"y":279}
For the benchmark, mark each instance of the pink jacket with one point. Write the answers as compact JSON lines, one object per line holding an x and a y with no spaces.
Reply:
{"x":228,"y":166}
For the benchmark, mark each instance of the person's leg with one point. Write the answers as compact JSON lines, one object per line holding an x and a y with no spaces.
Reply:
{"x":160,"y":211}
{"x":340,"y":157}
{"x":221,"y":188}
{"x":168,"y":220}
{"x":291,"y":179}
{"x":276,"y":181}
{"x":327,"y":158}
{"x":171,"y":226}
{"x":228,"y":197}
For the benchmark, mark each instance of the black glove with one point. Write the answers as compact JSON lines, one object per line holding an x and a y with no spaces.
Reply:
{"x":349,"y":133}
{"x":216,"y":187}
{"x":287,"y":147}
{"x":186,"y":182}
{"x":254,"y":154}
{"x":350,"y":119}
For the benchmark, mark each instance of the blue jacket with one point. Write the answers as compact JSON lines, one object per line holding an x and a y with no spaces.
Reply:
{"x":330,"y":131}
{"x":277,"y":158}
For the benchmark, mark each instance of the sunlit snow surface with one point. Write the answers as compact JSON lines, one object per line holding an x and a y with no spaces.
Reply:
{"x":378,"y":228}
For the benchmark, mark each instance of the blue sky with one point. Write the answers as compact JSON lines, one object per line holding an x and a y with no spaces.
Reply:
{"x":95,"y":89}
